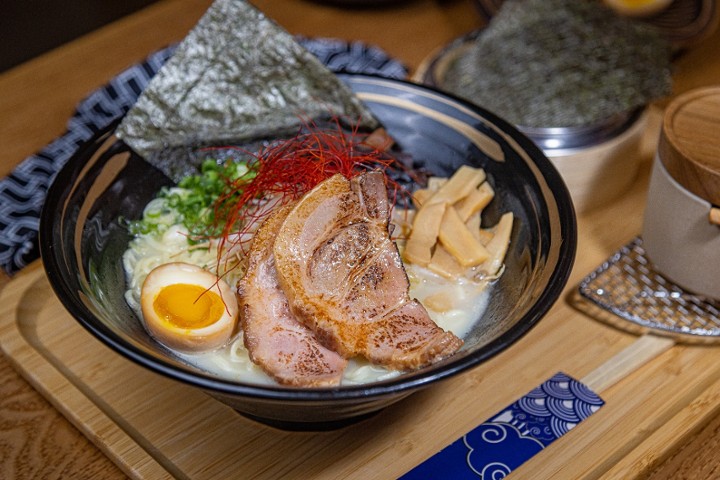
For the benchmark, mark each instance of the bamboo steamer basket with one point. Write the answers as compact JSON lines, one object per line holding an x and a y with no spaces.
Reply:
{"x":597,"y":162}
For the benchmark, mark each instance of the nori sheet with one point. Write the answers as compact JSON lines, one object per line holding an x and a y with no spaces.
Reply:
{"x":236,"y":78}
{"x":562,"y":63}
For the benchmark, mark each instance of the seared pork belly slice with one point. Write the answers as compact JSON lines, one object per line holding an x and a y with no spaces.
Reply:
{"x":408,"y":337}
{"x":344,"y":278}
{"x":283,"y":347}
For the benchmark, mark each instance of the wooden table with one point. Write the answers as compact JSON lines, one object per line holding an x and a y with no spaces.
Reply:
{"x":38,"y":97}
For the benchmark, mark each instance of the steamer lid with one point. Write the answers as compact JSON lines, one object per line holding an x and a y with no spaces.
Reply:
{"x":689,"y":145}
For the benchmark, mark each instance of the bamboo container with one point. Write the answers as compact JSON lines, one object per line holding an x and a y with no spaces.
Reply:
{"x":597,"y":162}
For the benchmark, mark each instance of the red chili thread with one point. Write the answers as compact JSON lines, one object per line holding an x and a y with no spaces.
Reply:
{"x":287,"y":169}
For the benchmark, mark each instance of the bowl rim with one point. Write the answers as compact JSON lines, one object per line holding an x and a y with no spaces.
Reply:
{"x":56,"y":272}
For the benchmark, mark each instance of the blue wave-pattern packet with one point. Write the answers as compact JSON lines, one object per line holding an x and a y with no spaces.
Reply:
{"x":22,"y":193}
{"x":515,"y":434}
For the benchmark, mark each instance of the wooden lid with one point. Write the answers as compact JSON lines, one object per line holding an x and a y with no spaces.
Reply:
{"x":690,"y":142}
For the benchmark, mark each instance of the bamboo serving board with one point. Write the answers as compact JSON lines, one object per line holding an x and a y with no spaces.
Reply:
{"x":152,"y":427}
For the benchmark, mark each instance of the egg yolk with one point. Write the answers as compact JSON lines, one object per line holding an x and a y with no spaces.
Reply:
{"x":188,"y":306}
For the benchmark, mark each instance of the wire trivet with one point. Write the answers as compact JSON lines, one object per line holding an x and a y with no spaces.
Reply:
{"x":627,"y":286}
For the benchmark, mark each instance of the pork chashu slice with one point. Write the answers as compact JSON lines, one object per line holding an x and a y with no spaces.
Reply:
{"x":276,"y":341}
{"x":344,"y":278}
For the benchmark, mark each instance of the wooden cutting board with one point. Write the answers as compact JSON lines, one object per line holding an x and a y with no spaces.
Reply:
{"x":152,"y":427}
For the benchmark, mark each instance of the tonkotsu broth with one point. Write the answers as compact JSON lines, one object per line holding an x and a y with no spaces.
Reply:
{"x":232,"y":362}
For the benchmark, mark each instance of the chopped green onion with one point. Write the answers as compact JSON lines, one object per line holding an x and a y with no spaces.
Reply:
{"x":191,"y":202}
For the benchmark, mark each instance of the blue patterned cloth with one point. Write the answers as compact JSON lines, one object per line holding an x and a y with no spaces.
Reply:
{"x":22,"y":193}
{"x":514,"y":435}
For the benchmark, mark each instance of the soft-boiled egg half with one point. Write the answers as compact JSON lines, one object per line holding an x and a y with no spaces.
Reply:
{"x":187,"y":308}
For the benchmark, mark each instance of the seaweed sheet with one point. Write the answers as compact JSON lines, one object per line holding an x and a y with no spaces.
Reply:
{"x":236,"y":78}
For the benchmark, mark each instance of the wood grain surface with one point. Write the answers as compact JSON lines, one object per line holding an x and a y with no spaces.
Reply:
{"x":689,"y":144}
{"x":36,"y":441}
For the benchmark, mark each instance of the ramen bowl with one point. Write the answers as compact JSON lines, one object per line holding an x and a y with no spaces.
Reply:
{"x":83,"y":239}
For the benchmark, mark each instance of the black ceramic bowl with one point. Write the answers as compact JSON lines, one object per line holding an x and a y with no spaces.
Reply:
{"x":82,"y":242}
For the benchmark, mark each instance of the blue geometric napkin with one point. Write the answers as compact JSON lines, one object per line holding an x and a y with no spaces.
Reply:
{"x":22,"y":193}
{"x":514,"y":435}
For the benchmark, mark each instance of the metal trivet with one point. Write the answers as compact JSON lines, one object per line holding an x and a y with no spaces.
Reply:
{"x":627,"y":286}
